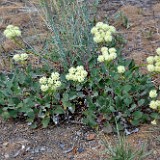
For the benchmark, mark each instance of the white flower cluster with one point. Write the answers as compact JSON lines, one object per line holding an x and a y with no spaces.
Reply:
{"x":155,"y":104}
{"x":51,"y":83}
{"x":20,"y":57}
{"x":108,"y":54}
{"x":154,"y":62}
{"x":121,"y":69}
{"x":103,"y":32}
{"x":12,"y":31}
{"x":153,"y":93}
{"x":77,"y":74}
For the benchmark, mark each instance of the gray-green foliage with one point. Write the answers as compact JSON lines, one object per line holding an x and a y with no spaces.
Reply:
{"x":70,"y":23}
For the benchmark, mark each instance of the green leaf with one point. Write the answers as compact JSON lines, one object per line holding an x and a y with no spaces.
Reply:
{"x":45,"y":121}
{"x":66,"y":104}
{"x":137,"y":115}
{"x":141,"y":102}
{"x":135,"y":122}
{"x":72,"y":95}
{"x":5,"y":115}
{"x":133,"y":106}
{"x":128,"y":101}
{"x":127,"y":88}
{"x":59,"y":110}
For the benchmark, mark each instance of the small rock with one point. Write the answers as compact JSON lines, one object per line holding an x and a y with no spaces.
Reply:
{"x":62,"y":145}
{"x":107,"y":129}
{"x":5,"y":144}
{"x":91,"y":137}
{"x":80,"y":150}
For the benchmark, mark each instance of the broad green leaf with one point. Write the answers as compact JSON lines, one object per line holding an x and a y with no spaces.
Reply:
{"x":45,"y":122}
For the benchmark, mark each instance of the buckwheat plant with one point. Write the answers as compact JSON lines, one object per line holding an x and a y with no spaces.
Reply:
{"x":93,"y":89}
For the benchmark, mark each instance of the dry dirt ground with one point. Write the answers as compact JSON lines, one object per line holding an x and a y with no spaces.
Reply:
{"x":74,"y":142}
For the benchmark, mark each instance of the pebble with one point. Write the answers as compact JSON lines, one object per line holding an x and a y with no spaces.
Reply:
{"x":90,"y":136}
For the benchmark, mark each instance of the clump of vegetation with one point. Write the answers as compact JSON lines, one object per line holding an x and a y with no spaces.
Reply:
{"x":122,"y":150}
{"x":93,"y":81}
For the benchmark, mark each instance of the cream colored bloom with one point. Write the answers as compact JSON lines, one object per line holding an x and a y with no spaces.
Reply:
{"x":112,"y":50}
{"x":151,"y":68}
{"x":50,"y":81}
{"x":44,"y":88}
{"x":108,"y":38}
{"x":80,"y":68}
{"x":16,"y":57}
{"x":98,"y":39}
{"x":20,"y":57}
{"x":100,"y":58}
{"x":94,"y":30}
{"x":153,"y":104}
{"x":43,"y":80}
{"x":99,"y":24}
{"x":154,"y":122}
{"x":105,"y":27}
{"x":121,"y":69}
{"x":113,"y":56}
{"x":23,"y":56}
{"x":55,"y":76}
{"x":158,"y":51}
{"x":80,"y":79}
{"x":12,"y":31}
{"x":150,"y":60}
{"x":104,"y":50}
{"x":57,"y":84}
{"x":79,"y":74}
{"x":153,"y":93}
{"x":157,"y":68}
{"x":72,"y":70}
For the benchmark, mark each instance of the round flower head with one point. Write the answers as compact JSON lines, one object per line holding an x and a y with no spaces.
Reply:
{"x":113,"y":56}
{"x":79,"y":74}
{"x":105,"y":27}
{"x":12,"y":31}
{"x":98,"y":39}
{"x":150,"y":60}
{"x":112,"y":50}
{"x":100,"y":58}
{"x":72,"y":70}
{"x":57,"y":84}
{"x":43,"y":80}
{"x":158,"y":51}
{"x":153,"y":105}
{"x":20,"y":57}
{"x":104,"y":50}
{"x":80,"y":68}
{"x":50,"y":81}
{"x":80,"y":79}
{"x":154,"y":122}
{"x":121,"y":69}
{"x":108,"y":38}
{"x":157,"y":68}
{"x":99,"y":24}
{"x":156,"y":58}
{"x":94,"y":30}
{"x":16,"y":57}
{"x":23,"y":56}
{"x":150,"y":68}
{"x":55,"y":76}
{"x":153,"y":94}
{"x":44,"y":88}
